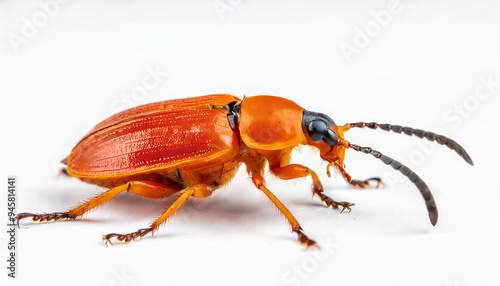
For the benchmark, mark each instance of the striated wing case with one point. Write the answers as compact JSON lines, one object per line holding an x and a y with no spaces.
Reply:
{"x":169,"y":134}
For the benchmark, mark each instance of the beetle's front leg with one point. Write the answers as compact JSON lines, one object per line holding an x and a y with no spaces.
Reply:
{"x":356,"y":183}
{"x":295,"y":171}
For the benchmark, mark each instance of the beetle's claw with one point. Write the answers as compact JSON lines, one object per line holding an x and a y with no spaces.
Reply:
{"x":303,"y":239}
{"x":311,"y":244}
{"x":345,"y":206}
{"x":16,"y":221}
{"x":106,"y":240}
{"x":317,"y":189}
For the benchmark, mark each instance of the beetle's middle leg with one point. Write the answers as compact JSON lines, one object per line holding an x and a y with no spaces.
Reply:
{"x":198,"y":190}
{"x":259,"y":182}
{"x":294,"y":171}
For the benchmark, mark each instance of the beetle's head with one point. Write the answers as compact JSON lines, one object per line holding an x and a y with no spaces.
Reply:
{"x":322,"y":133}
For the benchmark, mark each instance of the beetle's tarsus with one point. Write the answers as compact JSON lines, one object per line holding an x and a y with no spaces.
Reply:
{"x":366,"y":183}
{"x":42,"y":217}
{"x":334,"y":204}
{"x":126,"y":238}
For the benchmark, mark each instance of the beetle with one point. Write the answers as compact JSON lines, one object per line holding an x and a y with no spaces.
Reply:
{"x":191,"y":147}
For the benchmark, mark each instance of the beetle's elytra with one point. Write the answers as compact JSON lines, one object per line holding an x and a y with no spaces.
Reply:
{"x":193,"y":146}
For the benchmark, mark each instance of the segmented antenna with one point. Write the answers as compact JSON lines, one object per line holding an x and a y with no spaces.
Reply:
{"x":422,"y":187}
{"x":420,"y":134}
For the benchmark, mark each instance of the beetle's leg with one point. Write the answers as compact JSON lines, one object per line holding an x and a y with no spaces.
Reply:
{"x":358,"y":183}
{"x":153,"y":190}
{"x":259,"y":182}
{"x":147,"y":189}
{"x":294,"y":171}
{"x":366,"y":183}
{"x":41,"y":217}
{"x":76,"y":212}
{"x":195,"y":190}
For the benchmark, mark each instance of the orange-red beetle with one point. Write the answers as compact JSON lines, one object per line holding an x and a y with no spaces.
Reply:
{"x":191,"y":147}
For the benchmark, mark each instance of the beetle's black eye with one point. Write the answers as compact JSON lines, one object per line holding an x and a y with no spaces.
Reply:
{"x":330,"y":138}
{"x":317,"y":129}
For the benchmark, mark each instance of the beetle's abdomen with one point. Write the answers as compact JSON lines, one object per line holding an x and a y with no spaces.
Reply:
{"x":151,"y":143}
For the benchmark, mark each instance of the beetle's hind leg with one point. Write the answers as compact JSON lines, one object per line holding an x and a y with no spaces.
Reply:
{"x":198,"y":190}
{"x":42,"y":217}
{"x":76,"y":212}
{"x":147,"y":189}
{"x":294,"y":171}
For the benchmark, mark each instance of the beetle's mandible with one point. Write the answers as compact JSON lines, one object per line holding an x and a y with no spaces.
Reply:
{"x":193,"y":146}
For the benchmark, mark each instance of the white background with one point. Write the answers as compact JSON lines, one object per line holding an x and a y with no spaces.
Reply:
{"x":67,"y":66}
